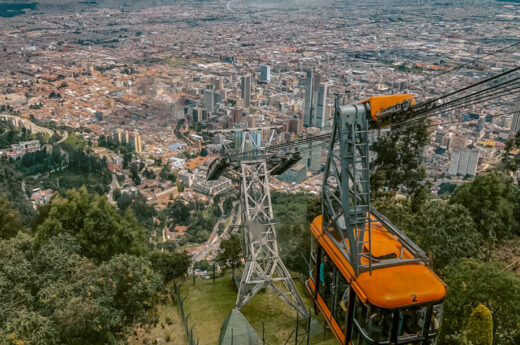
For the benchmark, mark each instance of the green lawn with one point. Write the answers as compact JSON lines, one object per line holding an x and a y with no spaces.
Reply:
{"x":210,"y":304}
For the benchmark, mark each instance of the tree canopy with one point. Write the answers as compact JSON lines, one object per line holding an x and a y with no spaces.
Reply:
{"x":94,"y":222}
{"x":75,"y":284}
{"x":230,"y":252}
{"x":447,"y":232}
{"x":487,"y":198}
{"x":9,"y":219}
{"x":398,"y":164}
{"x":472,"y":282}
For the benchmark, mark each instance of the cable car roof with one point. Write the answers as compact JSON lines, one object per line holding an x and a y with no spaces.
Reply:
{"x":398,"y":286}
{"x":387,"y":287}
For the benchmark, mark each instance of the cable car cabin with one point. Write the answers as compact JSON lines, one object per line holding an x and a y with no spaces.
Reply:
{"x":398,"y":304}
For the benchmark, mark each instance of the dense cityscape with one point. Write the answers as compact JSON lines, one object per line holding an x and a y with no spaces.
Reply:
{"x":135,"y":101}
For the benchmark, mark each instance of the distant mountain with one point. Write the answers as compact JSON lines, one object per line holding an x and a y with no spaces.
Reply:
{"x":16,"y":7}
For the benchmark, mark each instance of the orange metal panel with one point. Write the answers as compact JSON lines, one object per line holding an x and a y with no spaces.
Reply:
{"x":378,"y":103}
{"x":389,"y":287}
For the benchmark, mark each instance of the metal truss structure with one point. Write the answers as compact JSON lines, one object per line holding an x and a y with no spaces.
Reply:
{"x":263,"y":265}
{"x":346,"y":210}
{"x":346,"y":185}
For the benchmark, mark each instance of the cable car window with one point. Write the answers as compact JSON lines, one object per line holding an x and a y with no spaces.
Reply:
{"x":359,"y":324}
{"x":341,"y":299}
{"x":314,"y":255}
{"x":380,"y":324}
{"x":435,"y":321}
{"x":411,"y":322}
{"x":326,"y":278}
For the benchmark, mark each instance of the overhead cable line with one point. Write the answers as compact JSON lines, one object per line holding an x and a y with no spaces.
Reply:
{"x":428,"y":108}
{"x":487,"y":80}
{"x":462,"y":103}
{"x":474,"y":60}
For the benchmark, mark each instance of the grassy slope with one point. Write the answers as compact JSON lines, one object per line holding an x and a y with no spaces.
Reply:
{"x":210,"y":305}
{"x":172,"y":333}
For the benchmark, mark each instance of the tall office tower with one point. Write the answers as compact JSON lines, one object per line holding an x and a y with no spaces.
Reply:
{"x":322,"y":120}
{"x":312,"y":84}
{"x":515,"y":125}
{"x":307,"y":116}
{"x":236,"y":115}
{"x":208,"y":99}
{"x":218,"y":83}
{"x":197,"y":115}
{"x":246,"y":89}
{"x":265,"y":73}
{"x":135,"y":142}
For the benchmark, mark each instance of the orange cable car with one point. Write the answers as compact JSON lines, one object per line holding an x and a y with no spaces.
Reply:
{"x":370,"y":282}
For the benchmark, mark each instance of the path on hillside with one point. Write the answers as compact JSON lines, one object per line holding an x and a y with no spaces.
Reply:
{"x":113,"y":185}
{"x":65,"y":136}
{"x":213,"y":242}
{"x":28,"y":124}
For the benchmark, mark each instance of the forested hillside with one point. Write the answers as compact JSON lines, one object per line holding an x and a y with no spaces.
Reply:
{"x":85,"y":276}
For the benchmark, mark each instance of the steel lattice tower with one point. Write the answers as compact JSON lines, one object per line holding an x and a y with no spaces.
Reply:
{"x":263,"y":265}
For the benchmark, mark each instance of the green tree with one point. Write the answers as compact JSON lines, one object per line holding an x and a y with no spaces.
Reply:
{"x":447,"y":232}
{"x":170,"y":265}
{"x":180,"y":187}
{"x":398,"y":164}
{"x":511,"y":163}
{"x":15,"y":277}
{"x":95,"y":223}
{"x":230,"y":252}
{"x":134,"y":174}
{"x":227,"y":205}
{"x":11,"y":185}
{"x":30,"y":328}
{"x":293,"y":232}
{"x":472,"y":282}
{"x":487,"y":199}
{"x":9,"y":219}
{"x":480,"y":326}
{"x":130,"y":281}
{"x":447,"y":188}
{"x":202,"y":265}
{"x":127,"y":158}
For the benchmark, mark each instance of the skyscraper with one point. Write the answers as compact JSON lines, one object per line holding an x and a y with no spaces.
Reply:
{"x":197,"y":115}
{"x":322,"y":120}
{"x":265,"y":73}
{"x":307,"y":117}
{"x":245,"y":86}
{"x":312,"y":84}
{"x":209,"y":100}
{"x":135,"y":142}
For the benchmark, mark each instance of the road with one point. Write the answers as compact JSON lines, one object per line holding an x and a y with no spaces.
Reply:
{"x":113,"y":185}
{"x":24,"y":191}
{"x":28,"y":124}
{"x":212,"y":245}
{"x":63,"y":138}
